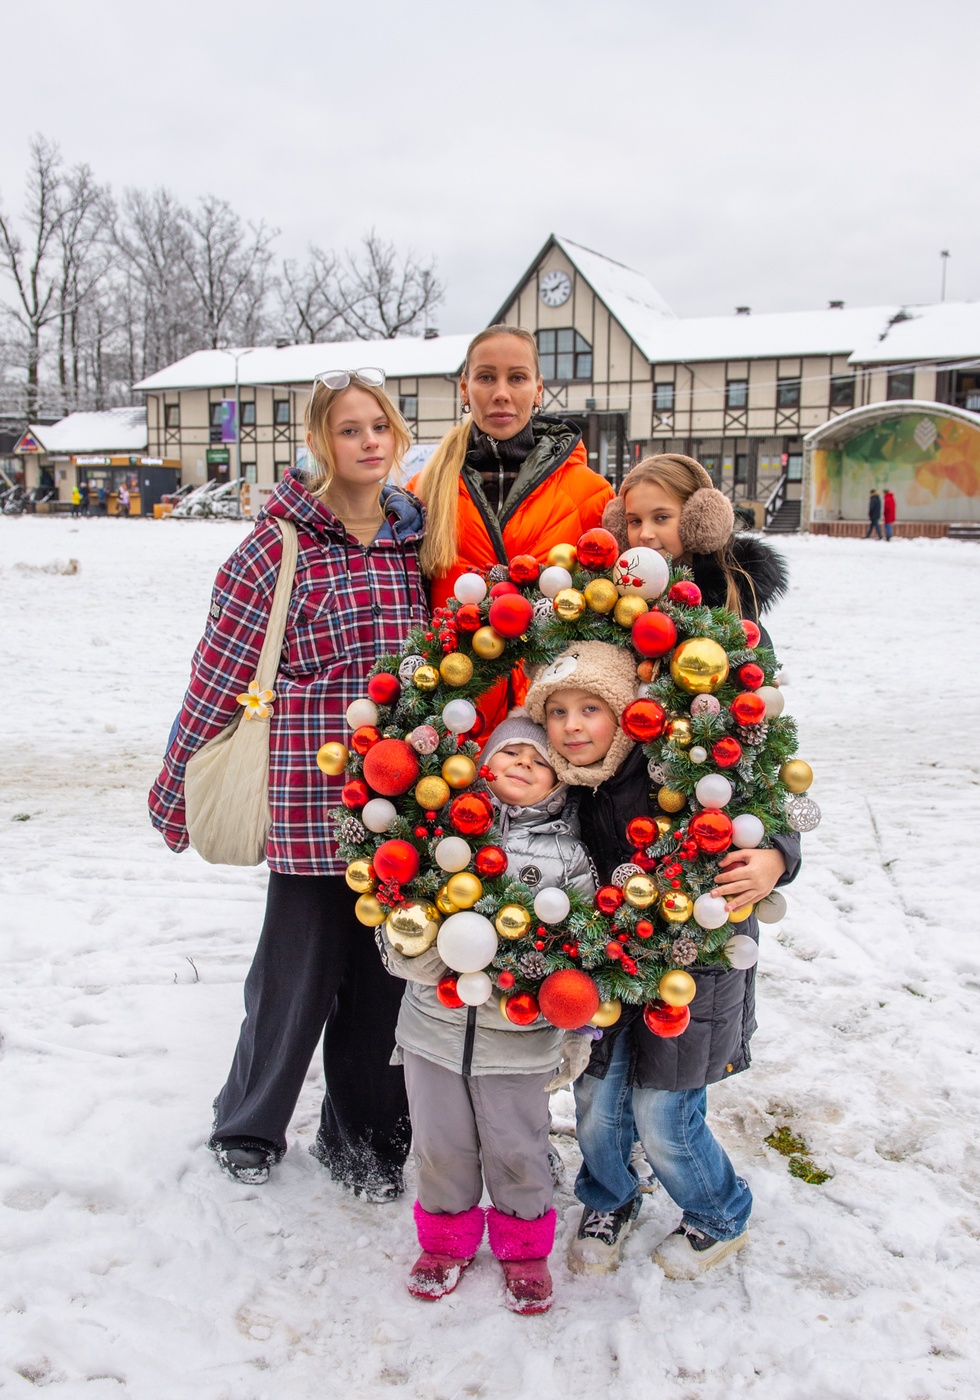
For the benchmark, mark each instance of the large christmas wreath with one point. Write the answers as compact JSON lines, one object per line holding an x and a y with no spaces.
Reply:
{"x":419,"y":831}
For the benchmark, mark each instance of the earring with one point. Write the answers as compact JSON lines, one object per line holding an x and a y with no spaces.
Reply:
{"x":535,"y":410}
{"x":466,"y":407}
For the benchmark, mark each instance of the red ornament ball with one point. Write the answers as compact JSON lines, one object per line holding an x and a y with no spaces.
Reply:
{"x":608,"y":899}
{"x":391,"y":767}
{"x":471,"y":814}
{"x":447,"y":993}
{"x":666,"y":1021}
{"x":751,"y":675}
{"x":711,"y":830}
{"x":503,"y":589}
{"x":354,"y":794}
{"x":505,"y":980}
{"x":614,"y":950}
{"x":478,"y":728}
{"x":596,"y":550}
{"x":384,"y":688}
{"x":753,"y":632}
{"x":490,"y":861}
{"x":468,"y":618}
{"x":644,"y":720}
{"x":511,"y":615}
{"x":748,"y":708}
{"x":654,"y":633}
{"x":524,"y":568}
{"x":521,"y":1009}
{"x":365,"y":737}
{"x":644,"y":928}
{"x":568,"y":998}
{"x":726,"y":752}
{"x":396,"y":860}
{"x":685,"y":592}
{"x":641,"y":831}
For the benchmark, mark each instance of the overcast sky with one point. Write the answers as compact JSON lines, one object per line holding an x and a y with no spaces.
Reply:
{"x":758,"y":152}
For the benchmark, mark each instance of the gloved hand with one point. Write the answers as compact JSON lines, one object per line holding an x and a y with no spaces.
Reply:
{"x":576,"y":1048}
{"x":428,"y":968}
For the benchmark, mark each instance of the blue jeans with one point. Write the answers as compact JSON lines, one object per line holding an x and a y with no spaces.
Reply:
{"x":689,"y":1162}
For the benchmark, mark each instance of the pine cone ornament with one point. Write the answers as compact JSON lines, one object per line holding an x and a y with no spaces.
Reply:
{"x":352,"y":832}
{"x":499,"y":573}
{"x":754,"y":735}
{"x":534,"y":966}
{"x":683,"y":951}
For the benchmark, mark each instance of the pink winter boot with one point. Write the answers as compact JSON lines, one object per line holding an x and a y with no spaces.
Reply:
{"x":449,"y":1243}
{"x":523,"y":1246}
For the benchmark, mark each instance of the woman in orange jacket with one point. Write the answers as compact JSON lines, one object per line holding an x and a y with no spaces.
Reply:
{"x":506,"y":481}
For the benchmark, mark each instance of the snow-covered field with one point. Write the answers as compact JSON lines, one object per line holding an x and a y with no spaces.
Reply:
{"x":131,"y":1266}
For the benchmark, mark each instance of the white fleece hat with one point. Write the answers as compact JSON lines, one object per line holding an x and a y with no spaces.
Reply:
{"x":601,"y":669}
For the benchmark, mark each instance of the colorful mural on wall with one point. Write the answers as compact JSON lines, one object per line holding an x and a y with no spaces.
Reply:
{"x":930,"y":462}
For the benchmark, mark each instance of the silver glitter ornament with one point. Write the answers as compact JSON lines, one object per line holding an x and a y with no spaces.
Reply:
{"x":656,"y":772}
{"x":802,"y":813}
{"x":408,"y":668}
{"x":544,"y":610}
{"x":623,"y":872}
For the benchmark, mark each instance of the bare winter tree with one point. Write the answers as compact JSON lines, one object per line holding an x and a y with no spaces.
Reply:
{"x":381,"y":294}
{"x":33,"y":266}
{"x":228,"y":264}
{"x":309,"y":299}
{"x":86,"y":249}
{"x":157,"y":295}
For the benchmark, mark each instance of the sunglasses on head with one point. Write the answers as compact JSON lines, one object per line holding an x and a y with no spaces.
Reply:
{"x":370,"y":377}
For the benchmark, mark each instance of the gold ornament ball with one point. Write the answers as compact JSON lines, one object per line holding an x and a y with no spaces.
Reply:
{"x":602,"y":595}
{"x":431,"y":793}
{"x":608,"y":1014}
{"x":512,"y":921}
{"x":459,"y":771}
{"x":562,"y":556}
{"x":360,"y":876}
{"x":368,"y":911}
{"x":444,"y":904}
{"x":425,"y":678}
{"x":664,"y":825}
{"x":699,"y":665}
{"x":413,"y":927}
{"x":488,"y":644}
{"x":464,"y":889}
{"x":332,"y":758}
{"x":679,"y":732}
{"x":569,"y":604}
{"x":677,"y":987}
{"x":627,"y":610}
{"x":796,"y":775}
{"x":738,"y":916}
{"x":676,"y":908}
{"x":456,"y":669}
{"x":670,"y":799}
{"x":640,"y":891}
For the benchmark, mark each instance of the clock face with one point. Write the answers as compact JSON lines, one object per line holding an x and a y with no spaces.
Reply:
{"x":555,"y":287}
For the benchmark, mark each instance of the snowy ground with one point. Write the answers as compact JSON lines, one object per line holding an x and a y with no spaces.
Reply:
{"x":132,"y":1267}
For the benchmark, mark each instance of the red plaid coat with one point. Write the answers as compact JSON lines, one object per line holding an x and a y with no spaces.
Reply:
{"x":350,"y":604}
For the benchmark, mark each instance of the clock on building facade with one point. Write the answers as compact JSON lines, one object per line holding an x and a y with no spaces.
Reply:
{"x":555,"y":287}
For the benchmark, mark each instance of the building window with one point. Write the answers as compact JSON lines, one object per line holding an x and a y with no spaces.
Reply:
{"x":842,"y":391}
{"x":408,"y":407}
{"x":737,"y":393}
{"x":564,"y":355}
{"x":663,"y":398}
{"x":215,"y":419}
{"x":900,"y":384}
{"x":171,"y":415}
{"x":281,"y":413}
{"x":248,"y":414}
{"x":787,"y":393}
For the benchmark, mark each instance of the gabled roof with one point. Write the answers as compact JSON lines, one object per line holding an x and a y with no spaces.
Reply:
{"x":947,"y":330}
{"x":404,"y":357}
{"x":772,"y":335}
{"x":113,"y":430}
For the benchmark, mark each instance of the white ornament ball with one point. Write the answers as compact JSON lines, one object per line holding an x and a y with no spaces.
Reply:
{"x":459,"y":716}
{"x":713,"y":790}
{"x":771,"y":909}
{"x":551,"y":905}
{"x":452,"y":853}
{"x":361,"y":712}
{"x":705,"y":705}
{"x":709,"y":911}
{"x":697,"y":754}
{"x":774,"y":699}
{"x":553,"y":580}
{"x":424,"y":738}
{"x":747,"y":832}
{"x":643,"y":690}
{"x":742,"y":951}
{"x":470,"y":588}
{"x":378,"y":814}
{"x":782,"y":678}
{"x":474,"y":988}
{"x":409,"y":666}
{"x":466,"y":941}
{"x":640,"y":573}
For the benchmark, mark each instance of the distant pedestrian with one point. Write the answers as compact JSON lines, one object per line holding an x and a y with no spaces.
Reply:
{"x":83,"y":496}
{"x":889,"y":514}
{"x":76,"y":500}
{"x":103,"y":500}
{"x":122,"y":500}
{"x":874,"y":515}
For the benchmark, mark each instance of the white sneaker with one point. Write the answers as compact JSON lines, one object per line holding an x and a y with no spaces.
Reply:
{"x":595,"y":1249}
{"x":640,"y":1163}
{"x":689,"y":1252}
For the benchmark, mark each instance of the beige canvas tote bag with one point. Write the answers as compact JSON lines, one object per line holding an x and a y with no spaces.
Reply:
{"x":226,"y":783}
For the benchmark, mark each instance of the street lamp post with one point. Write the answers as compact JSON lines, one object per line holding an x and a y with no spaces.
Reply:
{"x":237,"y":355}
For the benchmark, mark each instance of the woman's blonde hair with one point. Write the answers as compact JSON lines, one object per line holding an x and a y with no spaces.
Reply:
{"x":317,"y":422}
{"x":681,"y":476}
{"x":438,"y":487}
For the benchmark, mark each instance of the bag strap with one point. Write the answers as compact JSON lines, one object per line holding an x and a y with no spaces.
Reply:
{"x":268,"y":663}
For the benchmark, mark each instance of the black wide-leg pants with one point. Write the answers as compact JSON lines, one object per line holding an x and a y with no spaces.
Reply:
{"x":317,"y":969}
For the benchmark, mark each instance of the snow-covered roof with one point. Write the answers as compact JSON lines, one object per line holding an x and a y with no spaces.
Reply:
{"x":632,"y":298}
{"x":944,"y":331}
{"x":404,"y":357}
{"x":772,"y":335}
{"x":112,"y":430}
